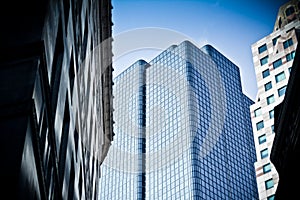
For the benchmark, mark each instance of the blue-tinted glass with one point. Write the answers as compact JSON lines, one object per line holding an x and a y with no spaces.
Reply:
{"x":267,"y":168}
{"x":264,"y":60}
{"x":293,"y":53}
{"x":270,"y":99}
{"x":290,"y":69}
{"x":266,"y":73}
{"x":262,"y":48}
{"x":277,"y":63}
{"x":275,"y":40}
{"x":271,"y":197}
{"x":264,"y":153}
{"x":279,"y":77}
{"x":268,"y":86}
{"x":262,"y":139}
{"x":260,"y":125}
{"x":288,"y":43}
{"x":272,"y":128}
{"x":271,"y":114}
{"x":257,"y":112}
{"x":281,"y":91}
{"x":269,"y":183}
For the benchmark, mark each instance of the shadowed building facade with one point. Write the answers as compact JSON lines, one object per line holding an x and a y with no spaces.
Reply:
{"x":183,"y":130}
{"x":56,"y":97}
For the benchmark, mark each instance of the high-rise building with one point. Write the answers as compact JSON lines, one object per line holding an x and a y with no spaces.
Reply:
{"x":56,"y":97}
{"x":273,"y":58}
{"x":183,"y":130}
{"x":286,"y":146}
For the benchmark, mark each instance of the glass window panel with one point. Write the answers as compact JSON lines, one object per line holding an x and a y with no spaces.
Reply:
{"x":277,"y":63}
{"x":268,"y":86}
{"x":281,"y":91}
{"x":257,"y":112}
{"x":264,"y":153}
{"x":266,"y":73}
{"x":262,"y":48}
{"x":271,"y":114}
{"x":260,"y":125}
{"x":262,"y":139}
{"x":270,"y":99}
{"x":269,"y":184}
{"x":279,"y":77}
{"x":267,"y":168}
{"x":264,"y":60}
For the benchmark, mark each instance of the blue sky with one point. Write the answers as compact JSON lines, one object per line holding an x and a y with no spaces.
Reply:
{"x":231,"y":26}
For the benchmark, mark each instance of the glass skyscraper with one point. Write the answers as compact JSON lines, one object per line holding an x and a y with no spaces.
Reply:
{"x":183,"y":130}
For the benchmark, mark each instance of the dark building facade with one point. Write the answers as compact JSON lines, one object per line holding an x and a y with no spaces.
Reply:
{"x":286,"y":146}
{"x":55,"y":97}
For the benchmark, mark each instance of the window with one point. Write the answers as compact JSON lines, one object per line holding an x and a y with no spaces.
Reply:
{"x":272,"y":197}
{"x":262,"y":139}
{"x":290,"y":56}
{"x":259,"y":125}
{"x":280,"y":77}
{"x":268,"y":86}
{"x":281,"y":91}
{"x":271,"y":114}
{"x":264,"y":153}
{"x":269,"y":184}
{"x":277,"y":63}
{"x":267,"y":168}
{"x":272,"y":128}
{"x":290,"y":69}
{"x":262,"y":48}
{"x":257,"y":112}
{"x":275,"y":40}
{"x":289,"y":11}
{"x":288,"y":43}
{"x":270,"y":99}
{"x":265,"y":73}
{"x":264,"y":60}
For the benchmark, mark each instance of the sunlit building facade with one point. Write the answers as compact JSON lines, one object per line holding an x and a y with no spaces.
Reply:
{"x":273,"y":57}
{"x":183,"y":130}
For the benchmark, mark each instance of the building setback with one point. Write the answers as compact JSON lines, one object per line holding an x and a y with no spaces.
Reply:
{"x":273,"y":57}
{"x":56,"y":97}
{"x":183,"y":130}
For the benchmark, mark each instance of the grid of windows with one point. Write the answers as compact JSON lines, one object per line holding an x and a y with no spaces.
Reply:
{"x":264,"y":153}
{"x":268,"y":86}
{"x":280,"y":77}
{"x":281,"y":91}
{"x":288,"y":43}
{"x":270,"y":99}
{"x":269,"y":184}
{"x":262,"y":48}
{"x":264,"y":60}
{"x":266,"y":73}
{"x":178,"y":107}
{"x":267,"y":168}
{"x":277,"y":63}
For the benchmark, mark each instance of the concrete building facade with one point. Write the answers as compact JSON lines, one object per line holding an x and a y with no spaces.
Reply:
{"x":273,"y":57}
